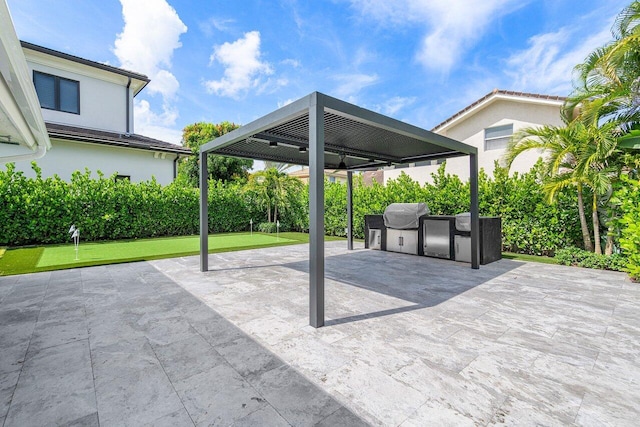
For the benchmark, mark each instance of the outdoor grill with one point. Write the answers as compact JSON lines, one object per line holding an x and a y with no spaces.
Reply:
{"x":409,"y":228}
{"x":402,"y":221}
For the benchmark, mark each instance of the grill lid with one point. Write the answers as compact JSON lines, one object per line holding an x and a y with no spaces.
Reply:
{"x":404,"y":216}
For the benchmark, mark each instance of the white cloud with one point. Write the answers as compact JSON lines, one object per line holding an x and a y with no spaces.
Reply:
{"x":547,"y":64}
{"x":154,"y":125}
{"x":151,"y":33}
{"x":292,"y":62}
{"x":393,"y":105}
{"x":214,"y":23}
{"x":351,"y":84}
{"x":452,"y":27}
{"x":243,"y":66}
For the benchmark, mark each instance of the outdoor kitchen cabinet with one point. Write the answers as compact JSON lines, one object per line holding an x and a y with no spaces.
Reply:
{"x":375,"y":224}
{"x":437,"y":236}
{"x":404,"y":241}
{"x":374,"y":239}
{"x":490,"y":241}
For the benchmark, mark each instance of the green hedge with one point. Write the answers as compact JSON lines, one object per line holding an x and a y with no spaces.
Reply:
{"x":529,"y":224}
{"x":627,"y":198}
{"x":37,"y":211}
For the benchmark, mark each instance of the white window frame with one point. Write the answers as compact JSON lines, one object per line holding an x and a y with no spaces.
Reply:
{"x":490,"y":142}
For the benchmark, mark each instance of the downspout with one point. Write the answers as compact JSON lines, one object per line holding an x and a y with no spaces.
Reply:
{"x":175,"y":166}
{"x":127,"y":99}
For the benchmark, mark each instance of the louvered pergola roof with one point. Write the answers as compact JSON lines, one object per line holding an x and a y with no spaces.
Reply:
{"x":362,"y":138}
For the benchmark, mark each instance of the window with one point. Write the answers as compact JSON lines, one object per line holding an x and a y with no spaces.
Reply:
{"x":123,"y":177}
{"x":497,"y":137}
{"x":57,"y":93}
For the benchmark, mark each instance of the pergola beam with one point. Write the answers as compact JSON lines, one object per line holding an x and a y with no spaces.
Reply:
{"x":204,"y":213}
{"x":316,"y":212}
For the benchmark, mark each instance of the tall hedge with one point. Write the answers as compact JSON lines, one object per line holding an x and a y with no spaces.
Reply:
{"x":529,"y":224}
{"x":37,"y":210}
{"x":627,"y":198}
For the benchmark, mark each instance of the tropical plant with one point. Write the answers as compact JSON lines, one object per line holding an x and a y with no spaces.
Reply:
{"x":274,"y":191}
{"x":562,"y":147}
{"x":222,"y":168}
{"x":279,"y":166}
{"x":608,"y":81}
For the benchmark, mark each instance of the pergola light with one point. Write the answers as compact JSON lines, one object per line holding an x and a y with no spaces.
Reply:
{"x":273,"y":144}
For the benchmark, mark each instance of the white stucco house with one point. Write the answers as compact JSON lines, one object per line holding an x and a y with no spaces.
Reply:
{"x":87,"y":107}
{"x":487,"y":124}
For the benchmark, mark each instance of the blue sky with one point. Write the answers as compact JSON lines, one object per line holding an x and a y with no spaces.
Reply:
{"x":416,"y":60}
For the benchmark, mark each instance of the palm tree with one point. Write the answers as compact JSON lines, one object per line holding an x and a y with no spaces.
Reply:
{"x":576,"y":156}
{"x":274,"y":190}
{"x":279,"y":166}
{"x":561,"y":146}
{"x":596,"y":163}
{"x":608,"y":84}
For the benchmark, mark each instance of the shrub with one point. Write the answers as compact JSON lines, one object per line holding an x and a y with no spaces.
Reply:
{"x":627,"y":197}
{"x":580,"y":258}
{"x":270,"y":227}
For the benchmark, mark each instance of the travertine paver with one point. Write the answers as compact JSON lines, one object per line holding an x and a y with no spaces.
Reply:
{"x":409,"y":341}
{"x":125,"y":345}
{"x":418,"y":341}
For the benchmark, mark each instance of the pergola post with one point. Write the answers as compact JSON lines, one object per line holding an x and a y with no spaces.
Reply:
{"x":204,"y":213}
{"x":350,"y":210}
{"x":475,"y":219}
{"x":316,"y":212}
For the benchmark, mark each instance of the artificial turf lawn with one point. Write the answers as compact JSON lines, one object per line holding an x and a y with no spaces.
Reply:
{"x":57,"y":257}
{"x":111,"y":251}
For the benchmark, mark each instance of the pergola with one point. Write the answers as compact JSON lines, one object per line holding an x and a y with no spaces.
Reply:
{"x":326,"y":133}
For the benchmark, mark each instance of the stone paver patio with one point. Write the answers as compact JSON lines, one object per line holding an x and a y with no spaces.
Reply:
{"x":409,"y":341}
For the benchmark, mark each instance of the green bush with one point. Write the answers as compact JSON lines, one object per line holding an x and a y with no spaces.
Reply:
{"x":37,"y":211}
{"x":580,"y":258}
{"x":627,"y":197}
{"x":267,"y":227}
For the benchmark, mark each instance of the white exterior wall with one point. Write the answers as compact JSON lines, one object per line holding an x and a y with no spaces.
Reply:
{"x":66,"y":157}
{"x":471,"y":131}
{"x":103,"y":95}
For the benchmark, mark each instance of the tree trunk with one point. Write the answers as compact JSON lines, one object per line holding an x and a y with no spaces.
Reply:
{"x":596,"y":225}
{"x":275,"y":213}
{"x":608,"y":249}
{"x":268,"y":212}
{"x":586,"y":236}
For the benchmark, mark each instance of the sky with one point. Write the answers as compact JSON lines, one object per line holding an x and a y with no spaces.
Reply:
{"x":419,"y":61}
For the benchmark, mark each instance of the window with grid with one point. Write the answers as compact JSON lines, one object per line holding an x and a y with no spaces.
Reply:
{"x":497,"y":137}
{"x":57,"y":93}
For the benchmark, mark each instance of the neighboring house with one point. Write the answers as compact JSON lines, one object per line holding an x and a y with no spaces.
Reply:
{"x":332,"y":175}
{"x":488,"y":124}
{"x":88,"y":110}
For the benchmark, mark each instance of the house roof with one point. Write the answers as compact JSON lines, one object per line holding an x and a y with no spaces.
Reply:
{"x":88,"y":62}
{"x":493,"y":96}
{"x":20,"y":116}
{"x":362,"y":138}
{"x":112,"y":138}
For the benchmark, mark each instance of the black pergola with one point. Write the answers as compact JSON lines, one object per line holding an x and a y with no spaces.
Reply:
{"x":326,"y":133}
